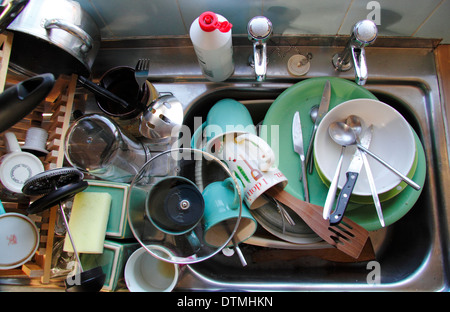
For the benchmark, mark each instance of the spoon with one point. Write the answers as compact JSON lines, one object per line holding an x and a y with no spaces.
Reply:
{"x":355,"y":123}
{"x":343,"y":135}
{"x":313,"y":112}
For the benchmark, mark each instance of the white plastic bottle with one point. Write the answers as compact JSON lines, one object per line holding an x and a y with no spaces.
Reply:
{"x":211,"y":36}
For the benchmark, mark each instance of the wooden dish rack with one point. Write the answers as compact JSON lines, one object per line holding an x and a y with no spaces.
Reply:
{"x":52,"y":114}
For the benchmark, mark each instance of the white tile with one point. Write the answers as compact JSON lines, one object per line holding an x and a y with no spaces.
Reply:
{"x":90,"y":9}
{"x":310,"y":17}
{"x":118,"y":19}
{"x":397,"y":18}
{"x":438,"y":24}
{"x":139,"y":18}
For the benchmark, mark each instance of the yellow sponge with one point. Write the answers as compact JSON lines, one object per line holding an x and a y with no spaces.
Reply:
{"x":88,"y":221}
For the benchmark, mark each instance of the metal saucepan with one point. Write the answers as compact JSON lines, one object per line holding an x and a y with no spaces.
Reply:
{"x":55,"y":36}
{"x":11,"y":8}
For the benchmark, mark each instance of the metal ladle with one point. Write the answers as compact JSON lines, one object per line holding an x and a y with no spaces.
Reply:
{"x":343,"y":135}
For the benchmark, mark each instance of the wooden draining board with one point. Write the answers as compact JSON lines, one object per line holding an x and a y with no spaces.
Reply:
{"x":53,"y":115}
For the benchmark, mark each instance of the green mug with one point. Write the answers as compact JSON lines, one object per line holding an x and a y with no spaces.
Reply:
{"x":222,"y":203}
{"x":227,"y":116}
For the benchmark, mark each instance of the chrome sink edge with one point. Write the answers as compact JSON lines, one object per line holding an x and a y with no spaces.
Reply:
{"x":199,"y":282}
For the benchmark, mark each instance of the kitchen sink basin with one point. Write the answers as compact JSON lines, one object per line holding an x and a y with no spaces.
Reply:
{"x":410,"y":255}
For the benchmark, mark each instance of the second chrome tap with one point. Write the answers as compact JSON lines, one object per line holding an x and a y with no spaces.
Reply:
{"x":363,"y":34}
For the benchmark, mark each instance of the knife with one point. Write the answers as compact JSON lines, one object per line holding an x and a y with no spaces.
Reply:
{"x":373,"y":189}
{"x":323,"y":109}
{"x":297,"y":140}
{"x":352,"y":175}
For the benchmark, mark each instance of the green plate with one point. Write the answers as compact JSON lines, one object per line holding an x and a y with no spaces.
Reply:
{"x":278,"y":133}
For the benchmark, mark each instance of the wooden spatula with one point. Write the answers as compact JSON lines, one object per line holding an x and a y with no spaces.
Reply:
{"x":347,"y":236}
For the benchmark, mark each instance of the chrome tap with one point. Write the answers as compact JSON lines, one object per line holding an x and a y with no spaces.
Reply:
{"x":259,"y":31}
{"x":363,"y":34}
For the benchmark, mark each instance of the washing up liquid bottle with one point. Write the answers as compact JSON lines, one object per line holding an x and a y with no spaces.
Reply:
{"x":211,"y":36}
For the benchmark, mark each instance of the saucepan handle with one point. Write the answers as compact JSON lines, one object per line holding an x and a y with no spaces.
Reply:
{"x":72,"y":29}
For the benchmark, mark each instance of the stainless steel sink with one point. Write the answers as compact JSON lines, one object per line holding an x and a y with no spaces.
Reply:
{"x":413,"y":253}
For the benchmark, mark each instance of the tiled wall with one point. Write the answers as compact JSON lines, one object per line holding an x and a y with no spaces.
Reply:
{"x":119,"y":19}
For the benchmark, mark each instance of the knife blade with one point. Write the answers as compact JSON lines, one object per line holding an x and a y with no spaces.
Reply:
{"x":352,"y":174}
{"x":323,"y":109}
{"x":297,"y":140}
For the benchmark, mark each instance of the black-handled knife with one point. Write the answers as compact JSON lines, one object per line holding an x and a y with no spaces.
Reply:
{"x":352,"y":176}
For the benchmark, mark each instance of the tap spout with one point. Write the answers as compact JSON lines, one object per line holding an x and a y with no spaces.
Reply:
{"x":363,"y":34}
{"x":259,"y":31}
{"x":260,"y":60}
{"x":359,"y":61}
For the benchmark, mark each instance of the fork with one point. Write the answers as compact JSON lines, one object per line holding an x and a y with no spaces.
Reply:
{"x":141,"y":71}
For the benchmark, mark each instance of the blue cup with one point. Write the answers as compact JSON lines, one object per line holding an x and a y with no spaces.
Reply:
{"x":222,"y":203}
{"x":228,"y":116}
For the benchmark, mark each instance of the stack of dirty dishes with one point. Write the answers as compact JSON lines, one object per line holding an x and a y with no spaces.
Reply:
{"x":393,"y":140}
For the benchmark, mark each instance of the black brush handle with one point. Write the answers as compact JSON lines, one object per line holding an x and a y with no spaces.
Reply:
{"x":102,"y":92}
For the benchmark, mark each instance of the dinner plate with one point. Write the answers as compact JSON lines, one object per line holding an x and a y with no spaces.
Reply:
{"x":278,"y":133}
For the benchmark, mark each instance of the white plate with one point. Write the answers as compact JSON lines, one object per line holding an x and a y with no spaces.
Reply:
{"x":19,"y":240}
{"x":392,"y":140}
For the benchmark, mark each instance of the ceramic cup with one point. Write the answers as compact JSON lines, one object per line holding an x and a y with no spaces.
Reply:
{"x":226,"y":116}
{"x":175,"y":205}
{"x":146,"y":273}
{"x":19,"y":239}
{"x":222,"y":203}
{"x":16,"y":166}
{"x":252,"y":162}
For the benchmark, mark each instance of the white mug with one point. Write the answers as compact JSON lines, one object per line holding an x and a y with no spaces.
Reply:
{"x":251,"y":160}
{"x":16,"y":166}
{"x":146,"y":273}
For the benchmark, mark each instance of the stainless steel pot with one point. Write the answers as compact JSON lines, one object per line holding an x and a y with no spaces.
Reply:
{"x":55,"y":36}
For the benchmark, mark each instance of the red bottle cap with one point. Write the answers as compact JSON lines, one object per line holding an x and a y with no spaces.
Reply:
{"x":209,"y":22}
